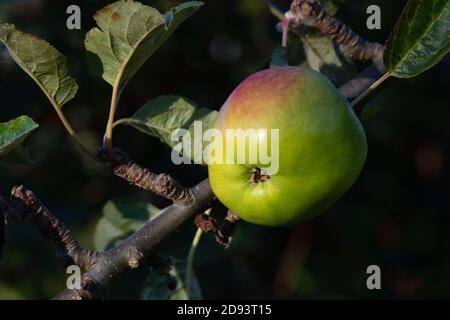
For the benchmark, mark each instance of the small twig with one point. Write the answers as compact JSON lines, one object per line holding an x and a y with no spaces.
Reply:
{"x":26,"y":206}
{"x":311,"y":13}
{"x":226,"y":231}
{"x":161,"y":184}
{"x":206,"y":223}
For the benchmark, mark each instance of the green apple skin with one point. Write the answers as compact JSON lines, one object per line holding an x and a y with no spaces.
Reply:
{"x":322,"y":146}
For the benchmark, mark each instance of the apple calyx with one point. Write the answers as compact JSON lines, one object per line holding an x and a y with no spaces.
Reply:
{"x":257,"y":175}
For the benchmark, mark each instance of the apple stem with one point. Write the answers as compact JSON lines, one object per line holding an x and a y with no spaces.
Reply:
{"x":257,"y":175}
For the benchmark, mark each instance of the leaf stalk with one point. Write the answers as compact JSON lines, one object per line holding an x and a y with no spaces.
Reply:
{"x":370,"y":89}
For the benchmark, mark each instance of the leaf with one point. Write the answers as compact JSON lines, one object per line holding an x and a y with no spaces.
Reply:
{"x":43,"y":63}
{"x":279,"y":57}
{"x":171,"y":286}
{"x":129,"y":33}
{"x":13,"y":132}
{"x":323,"y":55}
{"x":161,"y":117}
{"x":332,"y":6}
{"x":308,"y":47}
{"x":420,"y":39}
{"x":121,"y":218}
{"x":317,"y":52}
{"x":294,"y":55}
{"x":275,"y":10}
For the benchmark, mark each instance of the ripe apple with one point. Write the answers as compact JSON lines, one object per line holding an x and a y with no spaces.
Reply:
{"x":322,"y":147}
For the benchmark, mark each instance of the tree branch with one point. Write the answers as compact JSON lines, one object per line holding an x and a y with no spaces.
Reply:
{"x":138,"y":247}
{"x":161,"y":184}
{"x":311,"y":13}
{"x":26,"y":206}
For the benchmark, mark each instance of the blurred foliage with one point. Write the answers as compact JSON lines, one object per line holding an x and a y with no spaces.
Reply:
{"x":121,"y":218}
{"x":171,"y":286}
{"x":396,"y":216}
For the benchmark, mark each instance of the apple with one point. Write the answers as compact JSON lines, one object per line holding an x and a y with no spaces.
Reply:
{"x":321,"y":144}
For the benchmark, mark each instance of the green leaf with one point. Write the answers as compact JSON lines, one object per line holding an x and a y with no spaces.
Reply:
{"x":294,"y":55}
{"x":43,"y":63}
{"x":275,"y":11}
{"x":316,"y":51}
{"x":13,"y":132}
{"x":161,"y":117}
{"x":332,"y":6}
{"x":121,"y":218}
{"x":420,"y":39}
{"x":159,"y":286}
{"x":279,"y":57}
{"x":323,"y":55}
{"x":308,"y":47}
{"x":129,"y":33}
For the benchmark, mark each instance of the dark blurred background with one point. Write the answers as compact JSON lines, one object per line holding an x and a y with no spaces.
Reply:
{"x":396,"y":216}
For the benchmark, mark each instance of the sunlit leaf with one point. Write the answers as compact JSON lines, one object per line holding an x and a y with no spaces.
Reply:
{"x":161,"y":117}
{"x":121,"y":218}
{"x":420,"y":39}
{"x":13,"y":132}
{"x":128,"y":33}
{"x":43,"y":63}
